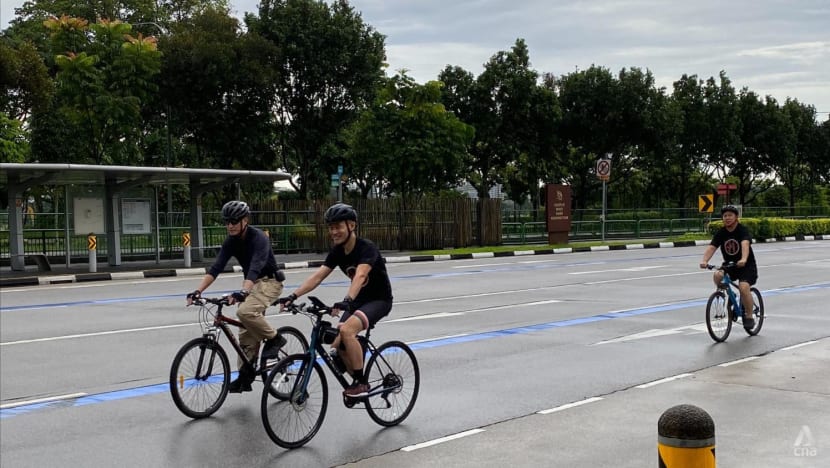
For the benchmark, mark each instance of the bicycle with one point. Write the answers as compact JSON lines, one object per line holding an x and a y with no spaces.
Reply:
{"x":200,"y":373}
{"x":293,"y":414}
{"x":724,"y":307}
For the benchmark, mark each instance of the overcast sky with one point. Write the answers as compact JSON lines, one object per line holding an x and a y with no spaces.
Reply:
{"x":775,"y":47}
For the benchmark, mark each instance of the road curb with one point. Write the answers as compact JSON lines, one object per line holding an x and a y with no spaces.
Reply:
{"x":167,"y":272}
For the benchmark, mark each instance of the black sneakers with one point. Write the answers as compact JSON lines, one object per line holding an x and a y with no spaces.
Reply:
{"x":749,"y":323}
{"x":272,"y":347}
{"x":243,"y":381}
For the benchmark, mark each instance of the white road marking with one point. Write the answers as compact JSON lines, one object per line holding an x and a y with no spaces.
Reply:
{"x":42,"y":400}
{"x":640,"y":268}
{"x":485,"y":309}
{"x":798,"y":345}
{"x":570,"y":405}
{"x":88,"y":335}
{"x":430,"y":443}
{"x":662,"y":381}
{"x":656,"y":332}
{"x":738,"y":361}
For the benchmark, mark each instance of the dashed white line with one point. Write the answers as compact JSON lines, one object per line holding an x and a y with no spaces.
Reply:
{"x":570,"y":405}
{"x":441,"y":440}
{"x":42,"y":400}
{"x":798,"y":345}
{"x":738,"y":361}
{"x":662,"y":381}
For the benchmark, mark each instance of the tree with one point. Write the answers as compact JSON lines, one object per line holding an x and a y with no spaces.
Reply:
{"x":406,"y":142}
{"x":590,"y":123}
{"x":102,"y":84}
{"x":803,"y":146}
{"x":214,"y":88}
{"x":330,"y":64}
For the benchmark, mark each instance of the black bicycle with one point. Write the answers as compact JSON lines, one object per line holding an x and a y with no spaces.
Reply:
{"x":293,"y":413}
{"x":724,"y":307}
{"x":201,"y":373}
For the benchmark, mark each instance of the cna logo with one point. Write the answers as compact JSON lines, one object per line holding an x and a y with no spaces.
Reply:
{"x":732,"y":247}
{"x":805,"y":444}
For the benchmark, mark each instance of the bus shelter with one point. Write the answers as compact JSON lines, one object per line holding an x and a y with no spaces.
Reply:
{"x":102,"y":203}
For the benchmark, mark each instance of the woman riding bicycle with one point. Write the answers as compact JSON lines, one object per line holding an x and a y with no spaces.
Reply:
{"x":735,"y":244}
{"x":369,"y":297}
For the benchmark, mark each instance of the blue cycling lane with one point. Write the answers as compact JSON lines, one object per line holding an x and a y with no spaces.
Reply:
{"x":165,"y":387}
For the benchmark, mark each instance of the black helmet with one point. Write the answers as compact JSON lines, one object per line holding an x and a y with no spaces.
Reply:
{"x":340,"y":212}
{"x":731,"y":208}
{"x":235,"y":210}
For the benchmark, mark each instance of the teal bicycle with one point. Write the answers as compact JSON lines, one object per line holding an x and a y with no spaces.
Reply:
{"x":295,"y":398}
{"x":724,"y":306}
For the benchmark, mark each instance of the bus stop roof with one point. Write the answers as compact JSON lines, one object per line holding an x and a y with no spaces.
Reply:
{"x":84,"y":174}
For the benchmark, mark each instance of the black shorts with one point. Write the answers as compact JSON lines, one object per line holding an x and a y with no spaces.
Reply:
{"x":748,"y":273}
{"x":369,"y":313}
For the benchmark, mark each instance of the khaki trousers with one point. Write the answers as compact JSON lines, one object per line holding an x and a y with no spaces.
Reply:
{"x":252,"y":314}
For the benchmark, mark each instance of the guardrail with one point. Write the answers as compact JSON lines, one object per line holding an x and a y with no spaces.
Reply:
{"x":532,"y":232}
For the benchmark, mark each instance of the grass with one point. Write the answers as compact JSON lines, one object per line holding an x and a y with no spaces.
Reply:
{"x":511,"y":248}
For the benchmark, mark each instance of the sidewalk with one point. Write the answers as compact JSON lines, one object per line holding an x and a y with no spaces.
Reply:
{"x":769,"y":410}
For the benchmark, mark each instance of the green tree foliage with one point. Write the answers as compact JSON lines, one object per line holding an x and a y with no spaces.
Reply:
{"x":330,"y":64}
{"x":214,"y":84}
{"x":406,"y":142}
{"x":102,"y":84}
{"x":13,"y":145}
{"x":502,"y":104}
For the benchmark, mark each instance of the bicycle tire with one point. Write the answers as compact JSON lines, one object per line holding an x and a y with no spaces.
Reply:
{"x":293,"y":421}
{"x":393,"y":368}
{"x":198,"y":395}
{"x":718,"y":316}
{"x":295,"y":343}
{"x":758,"y":311}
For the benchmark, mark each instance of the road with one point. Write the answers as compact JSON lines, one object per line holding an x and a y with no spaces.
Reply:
{"x":497,"y":339}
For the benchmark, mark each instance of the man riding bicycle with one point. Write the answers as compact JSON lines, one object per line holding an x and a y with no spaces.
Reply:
{"x":735,"y":241}
{"x":369,"y":298}
{"x":261,"y":286}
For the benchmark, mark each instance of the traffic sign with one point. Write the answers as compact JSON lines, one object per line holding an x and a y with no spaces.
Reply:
{"x":724,"y":189}
{"x":604,"y":169}
{"x":186,"y":239}
{"x":91,"y":242}
{"x":706,"y":203}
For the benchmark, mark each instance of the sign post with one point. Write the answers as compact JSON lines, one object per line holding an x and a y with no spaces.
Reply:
{"x":725,"y":189}
{"x":604,"y":173}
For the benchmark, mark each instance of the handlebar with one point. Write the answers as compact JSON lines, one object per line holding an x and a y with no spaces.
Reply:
{"x":724,"y":266}
{"x":317,"y":307}
{"x":202,"y":301}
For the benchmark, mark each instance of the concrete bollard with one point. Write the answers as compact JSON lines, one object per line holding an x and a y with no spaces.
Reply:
{"x":186,"y":249}
{"x":686,"y":438}
{"x":92,"y":246}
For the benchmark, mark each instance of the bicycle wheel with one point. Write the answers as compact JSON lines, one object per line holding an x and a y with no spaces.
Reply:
{"x":292,"y":421}
{"x":758,"y":311}
{"x":199,"y":378}
{"x":718,"y":321}
{"x":295,"y":343}
{"x":394,"y":380}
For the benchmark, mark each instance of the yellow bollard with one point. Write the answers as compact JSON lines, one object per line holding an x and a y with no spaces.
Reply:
{"x":92,"y":245}
{"x":686,"y":438}
{"x":186,"y":249}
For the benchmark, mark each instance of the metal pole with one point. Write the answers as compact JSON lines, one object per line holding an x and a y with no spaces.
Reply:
{"x":604,"y":207}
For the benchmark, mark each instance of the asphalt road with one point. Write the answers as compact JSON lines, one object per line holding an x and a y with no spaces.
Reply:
{"x":497,"y":339}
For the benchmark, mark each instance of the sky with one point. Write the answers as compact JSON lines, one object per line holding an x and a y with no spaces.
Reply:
{"x":779,"y":48}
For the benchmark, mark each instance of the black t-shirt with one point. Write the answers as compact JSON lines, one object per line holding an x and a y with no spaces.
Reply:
{"x":253,"y":252}
{"x":730,"y":244}
{"x":377,"y":286}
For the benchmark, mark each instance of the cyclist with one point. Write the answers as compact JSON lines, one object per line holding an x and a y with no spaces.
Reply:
{"x":261,"y":286}
{"x":735,"y":242}
{"x":369,"y":297}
